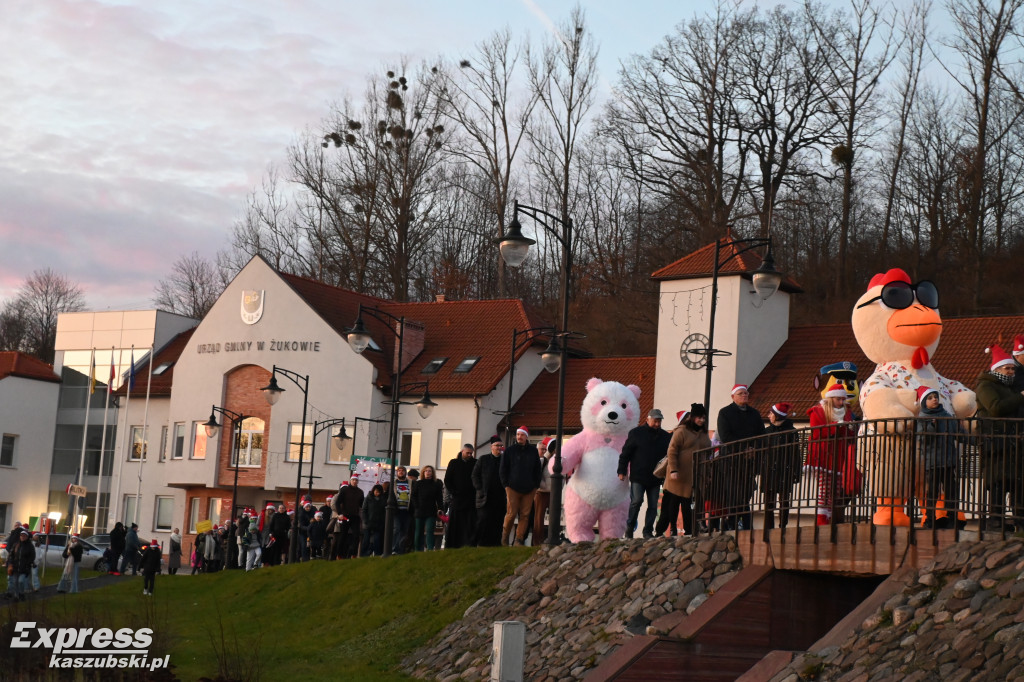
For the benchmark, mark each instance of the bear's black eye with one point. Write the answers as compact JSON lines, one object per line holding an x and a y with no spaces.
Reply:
{"x":623,"y":405}
{"x":604,"y":402}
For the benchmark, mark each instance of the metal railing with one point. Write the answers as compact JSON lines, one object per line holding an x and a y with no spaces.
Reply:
{"x":928,"y":474}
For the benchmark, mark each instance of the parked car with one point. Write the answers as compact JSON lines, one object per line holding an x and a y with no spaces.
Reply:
{"x":102,"y":541}
{"x":50,"y":547}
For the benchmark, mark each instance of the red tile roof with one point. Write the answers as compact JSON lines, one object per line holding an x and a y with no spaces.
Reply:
{"x":452,"y":329}
{"x":538,"y":407}
{"x":161,"y":383}
{"x":790,"y":373}
{"x":701,"y":263}
{"x":17,"y":364}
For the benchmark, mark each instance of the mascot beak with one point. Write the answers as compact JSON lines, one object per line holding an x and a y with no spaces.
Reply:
{"x":915,"y":326}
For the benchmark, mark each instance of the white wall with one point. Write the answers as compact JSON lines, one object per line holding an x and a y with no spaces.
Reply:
{"x":28,"y":410}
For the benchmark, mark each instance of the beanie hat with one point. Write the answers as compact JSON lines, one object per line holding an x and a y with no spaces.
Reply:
{"x":494,"y":439}
{"x":737,"y":388}
{"x":1018,"y":344}
{"x":698,"y":410}
{"x":782,"y":409}
{"x":523,"y":430}
{"x":999,"y":356}
{"x":837,"y":391}
{"x":923,"y":391}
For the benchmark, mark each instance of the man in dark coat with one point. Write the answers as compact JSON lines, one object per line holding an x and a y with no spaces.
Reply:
{"x":998,"y":400}
{"x":24,"y":557}
{"x":349,"y":505}
{"x":781,"y":464}
{"x":520,"y":475}
{"x":280,"y":524}
{"x":645,"y":446}
{"x":490,"y":496}
{"x":738,"y":421}
{"x":131,"y":551}
{"x":117,"y":538}
{"x":306,"y":513}
{"x":458,"y":481}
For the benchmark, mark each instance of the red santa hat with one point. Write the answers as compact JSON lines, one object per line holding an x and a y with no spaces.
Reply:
{"x":270,"y":506}
{"x":1000,"y":357}
{"x":837,"y":391}
{"x":782,"y":409}
{"x":523,"y":430}
{"x":923,"y":391}
{"x":737,"y":388}
{"x":1018,"y":344}
{"x":681,"y":415}
{"x":155,"y":543}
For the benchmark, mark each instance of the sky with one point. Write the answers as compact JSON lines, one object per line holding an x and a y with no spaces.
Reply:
{"x":132,"y":131}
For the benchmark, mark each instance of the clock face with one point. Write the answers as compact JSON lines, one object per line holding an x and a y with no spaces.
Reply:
{"x":695,"y":341}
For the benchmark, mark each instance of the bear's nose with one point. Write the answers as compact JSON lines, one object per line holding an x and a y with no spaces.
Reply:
{"x":613,"y":415}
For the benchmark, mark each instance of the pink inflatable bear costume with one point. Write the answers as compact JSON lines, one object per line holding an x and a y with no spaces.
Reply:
{"x":594,"y":493}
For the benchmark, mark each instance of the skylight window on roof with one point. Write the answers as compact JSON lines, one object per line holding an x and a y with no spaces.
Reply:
{"x":162,"y":367}
{"x":467,"y":364}
{"x":433,"y":366}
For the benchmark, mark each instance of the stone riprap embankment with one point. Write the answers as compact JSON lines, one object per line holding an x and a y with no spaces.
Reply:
{"x":579,"y":602}
{"x":961,"y":617}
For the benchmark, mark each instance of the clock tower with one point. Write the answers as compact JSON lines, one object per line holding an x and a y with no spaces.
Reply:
{"x":748,"y":329}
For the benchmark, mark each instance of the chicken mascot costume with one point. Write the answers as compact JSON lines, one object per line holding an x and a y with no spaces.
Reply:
{"x":898,"y":326}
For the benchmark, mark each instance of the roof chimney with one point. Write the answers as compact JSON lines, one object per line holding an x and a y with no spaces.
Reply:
{"x":439,"y":298}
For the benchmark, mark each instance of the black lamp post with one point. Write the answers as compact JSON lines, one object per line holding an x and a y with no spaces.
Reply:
{"x":358,"y":339}
{"x":340,"y":437}
{"x":355,"y":431}
{"x":766,"y":280}
{"x":551,"y":359}
{"x":212,"y":428}
{"x":272,"y":392}
{"x":514,"y":248}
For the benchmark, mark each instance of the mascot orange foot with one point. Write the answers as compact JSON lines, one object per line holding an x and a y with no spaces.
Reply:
{"x":890,"y":512}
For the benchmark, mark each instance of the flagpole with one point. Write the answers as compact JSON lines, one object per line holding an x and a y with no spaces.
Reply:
{"x":145,"y":430}
{"x":103,"y":442}
{"x":120,"y":465}
{"x":85,"y":435}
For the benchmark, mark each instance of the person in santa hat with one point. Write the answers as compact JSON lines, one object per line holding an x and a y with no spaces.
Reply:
{"x":831,"y":452}
{"x":937,"y":433}
{"x":1000,"y":464}
{"x":738,"y":421}
{"x":520,"y":474}
{"x":1018,"y":359}
{"x":781,"y":464}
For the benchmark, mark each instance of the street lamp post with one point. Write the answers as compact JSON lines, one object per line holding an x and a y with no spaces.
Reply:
{"x":272,"y":392}
{"x":358,"y":339}
{"x":212,"y":428}
{"x":766,"y":280}
{"x":340,"y":437}
{"x":514,"y":248}
{"x":355,"y":431}
{"x":551,"y":358}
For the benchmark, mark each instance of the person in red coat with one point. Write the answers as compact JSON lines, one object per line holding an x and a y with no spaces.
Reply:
{"x":831,"y":452}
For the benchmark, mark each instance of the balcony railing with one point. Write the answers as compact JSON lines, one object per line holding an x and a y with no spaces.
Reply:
{"x":928,"y":474}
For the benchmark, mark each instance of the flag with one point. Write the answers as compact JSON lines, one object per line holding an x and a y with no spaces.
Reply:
{"x":131,"y":372}
{"x":110,"y":381}
{"x":92,"y":373}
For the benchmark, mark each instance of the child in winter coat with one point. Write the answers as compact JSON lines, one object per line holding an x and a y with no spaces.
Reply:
{"x":937,"y":445}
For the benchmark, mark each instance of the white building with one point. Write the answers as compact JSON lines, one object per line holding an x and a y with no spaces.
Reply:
{"x":29,"y":389}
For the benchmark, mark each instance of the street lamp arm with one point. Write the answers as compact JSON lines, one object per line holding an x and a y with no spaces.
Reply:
{"x":542,"y":216}
{"x":382,"y":316}
{"x":753,"y":243}
{"x":298,"y":379}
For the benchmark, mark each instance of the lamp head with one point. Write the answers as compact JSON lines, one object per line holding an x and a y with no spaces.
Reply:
{"x":766,"y":279}
{"x":358,"y":337}
{"x":514,"y":246}
{"x":341,"y":436}
{"x":272,"y":392}
{"x":212,"y":427}
{"x":425,"y":406}
{"x":551,"y":358}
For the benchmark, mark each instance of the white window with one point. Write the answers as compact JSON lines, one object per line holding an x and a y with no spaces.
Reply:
{"x":139,"y":446}
{"x":164,"y":513}
{"x":295,"y":436}
{"x":410,"y":448}
{"x":449,"y":445}
{"x":214,"y":510}
{"x":193,"y":512}
{"x":249,"y":448}
{"x":129,"y":510}
{"x":7,"y":452}
{"x":178,"y":444}
{"x":199,"y":442}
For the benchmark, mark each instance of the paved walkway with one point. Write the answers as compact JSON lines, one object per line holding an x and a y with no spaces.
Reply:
{"x":83,"y":585}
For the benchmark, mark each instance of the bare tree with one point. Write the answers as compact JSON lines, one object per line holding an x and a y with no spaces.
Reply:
{"x":28,"y":322}
{"x":192,"y":288}
{"x":492,"y":123}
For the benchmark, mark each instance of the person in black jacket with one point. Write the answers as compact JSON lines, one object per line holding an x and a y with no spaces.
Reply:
{"x":24,"y":556}
{"x":348,"y":504}
{"x":117,"y":537}
{"x":305,"y":518}
{"x":426,"y":503}
{"x":520,"y":475}
{"x":374,"y":513}
{"x":151,"y":556}
{"x":738,"y":421}
{"x":780,"y":468}
{"x":490,"y":496}
{"x":458,"y":481}
{"x":645,"y":446}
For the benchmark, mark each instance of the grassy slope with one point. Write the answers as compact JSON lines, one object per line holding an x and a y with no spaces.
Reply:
{"x":309,"y":621}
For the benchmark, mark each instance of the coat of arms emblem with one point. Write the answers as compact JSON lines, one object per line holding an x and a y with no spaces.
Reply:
{"x":252,"y":306}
